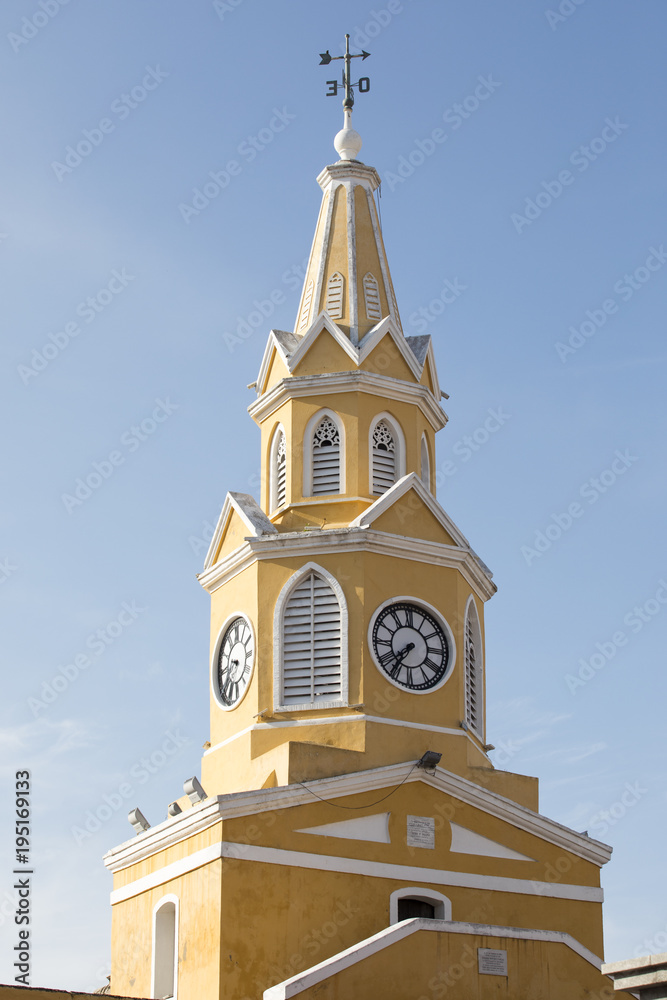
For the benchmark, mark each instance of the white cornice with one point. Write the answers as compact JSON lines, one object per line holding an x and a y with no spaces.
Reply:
{"x":385,"y":386}
{"x":262,"y":800}
{"x":320,"y":542}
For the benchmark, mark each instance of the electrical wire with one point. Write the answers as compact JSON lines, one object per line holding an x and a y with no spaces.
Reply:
{"x":368,"y":805}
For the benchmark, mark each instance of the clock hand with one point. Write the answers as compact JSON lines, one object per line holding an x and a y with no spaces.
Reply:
{"x":400,"y":657}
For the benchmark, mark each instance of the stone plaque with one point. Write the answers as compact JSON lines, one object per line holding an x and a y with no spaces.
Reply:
{"x":491,"y":962}
{"x":421,"y":832}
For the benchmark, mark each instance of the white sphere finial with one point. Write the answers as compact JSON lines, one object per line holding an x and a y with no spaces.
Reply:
{"x":348,"y":141}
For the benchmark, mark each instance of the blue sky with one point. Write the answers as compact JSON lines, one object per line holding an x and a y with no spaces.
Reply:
{"x":522,"y":154}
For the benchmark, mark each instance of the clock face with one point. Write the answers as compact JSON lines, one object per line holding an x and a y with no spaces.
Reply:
{"x":411,"y":645}
{"x":236,"y":655}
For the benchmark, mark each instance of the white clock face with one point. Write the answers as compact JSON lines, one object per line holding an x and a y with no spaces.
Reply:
{"x":411,"y":645}
{"x":235,"y":659}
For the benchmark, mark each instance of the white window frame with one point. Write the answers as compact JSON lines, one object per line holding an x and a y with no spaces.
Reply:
{"x":156,"y":909}
{"x":399,"y":448}
{"x":308,"y":451}
{"x":479,"y":728}
{"x":424,"y":448}
{"x":273,"y":468}
{"x":283,"y":598}
{"x":442,"y":904}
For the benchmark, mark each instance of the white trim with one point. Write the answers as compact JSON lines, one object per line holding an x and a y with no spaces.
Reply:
{"x":479,"y":729}
{"x":397,"y":932}
{"x":283,"y":598}
{"x":250,"y":513}
{"x":272,"y":344}
{"x":442,"y":904}
{"x":439,"y":617}
{"x":399,"y":447}
{"x":424,"y":447}
{"x":326,"y":237}
{"x":352,"y":258}
{"x":373,"y":383}
{"x":319,"y":543}
{"x":168,"y":873}
{"x":170,"y":898}
{"x":321,"y":323}
{"x":214,"y":660}
{"x":434,"y":876}
{"x":357,"y":866}
{"x":465,"y":841}
{"x":249,"y":803}
{"x":273,"y":504}
{"x":384,"y":266}
{"x":372,"y":829}
{"x":307,"y":450}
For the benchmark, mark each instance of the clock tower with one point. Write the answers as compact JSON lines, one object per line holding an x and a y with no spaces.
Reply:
{"x":350,"y":835}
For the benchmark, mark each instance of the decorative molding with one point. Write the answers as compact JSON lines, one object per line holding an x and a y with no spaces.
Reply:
{"x":385,"y":386}
{"x":397,"y":932}
{"x":465,"y":841}
{"x":374,"y":829}
{"x":317,"y":543}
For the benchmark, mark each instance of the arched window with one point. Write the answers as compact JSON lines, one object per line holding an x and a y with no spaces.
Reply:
{"x":335,"y":296}
{"x":384,"y":457}
{"x":311,"y":637}
{"x":425,"y":472}
{"x":325,"y":458}
{"x":416,"y":902}
{"x":474,"y":685}
{"x":278,"y":467}
{"x":165,"y":948}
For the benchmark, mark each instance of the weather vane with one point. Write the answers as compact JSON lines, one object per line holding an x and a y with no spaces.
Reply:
{"x":363,"y":83}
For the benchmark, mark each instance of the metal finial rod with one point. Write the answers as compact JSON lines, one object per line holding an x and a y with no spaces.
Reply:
{"x":363,"y":83}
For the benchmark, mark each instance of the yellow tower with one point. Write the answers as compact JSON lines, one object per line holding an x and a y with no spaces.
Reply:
{"x":350,"y":836}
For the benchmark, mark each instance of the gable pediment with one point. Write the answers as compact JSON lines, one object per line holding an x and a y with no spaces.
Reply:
{"x":241,"y":516}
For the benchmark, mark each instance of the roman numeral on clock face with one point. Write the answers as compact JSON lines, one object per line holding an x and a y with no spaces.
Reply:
{"x":411,"y":646}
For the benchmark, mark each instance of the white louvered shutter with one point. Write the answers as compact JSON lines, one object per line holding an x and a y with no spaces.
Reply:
{"x":372,"y":296}
{"x":312,"y":668}
{"x":472,"y":673}
{"x":281,"y":471}
{"x":335,"y":296}
{"x":326,"y":458}
{"x":384,"y":458}
{"x":305,"y":308}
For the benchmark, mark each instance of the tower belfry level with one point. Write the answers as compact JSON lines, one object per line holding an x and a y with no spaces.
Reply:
{"x":323,"y":854}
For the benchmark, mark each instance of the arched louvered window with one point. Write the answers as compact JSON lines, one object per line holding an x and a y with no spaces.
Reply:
{"x":278,"y":467}
{"x":425,"y":472}
{"x":474,"y":692}
{"x":326,"y":454}
{"x":372,"y":296}
{"x":305,"y":308}
{"x":312,"y":642}
{"x":384,"y":457}
{"x":165,"y":948}
{"x":335,"y":296}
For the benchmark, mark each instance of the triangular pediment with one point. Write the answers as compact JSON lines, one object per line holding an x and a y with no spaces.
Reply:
{"x":241,"y":517}
{"x":374,"y":829}
{"x":465,"y":841}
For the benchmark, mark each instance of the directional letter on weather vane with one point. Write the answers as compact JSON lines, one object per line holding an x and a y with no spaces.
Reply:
{"x":363,"y":83}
